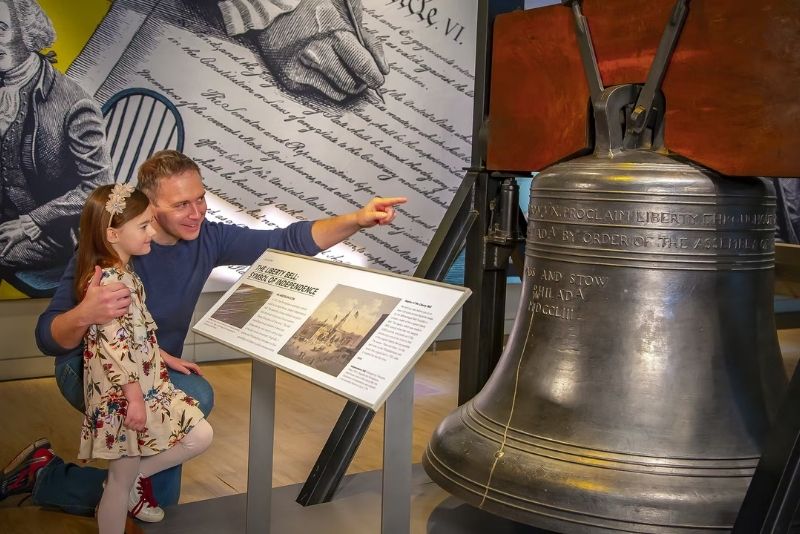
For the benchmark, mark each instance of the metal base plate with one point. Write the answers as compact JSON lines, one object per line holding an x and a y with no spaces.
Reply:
{"x":355,"y":509}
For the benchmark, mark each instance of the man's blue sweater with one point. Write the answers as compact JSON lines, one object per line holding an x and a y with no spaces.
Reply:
{"x":174,"y":275}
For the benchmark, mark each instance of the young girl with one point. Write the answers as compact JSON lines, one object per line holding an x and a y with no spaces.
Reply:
{"x":134,"y":416}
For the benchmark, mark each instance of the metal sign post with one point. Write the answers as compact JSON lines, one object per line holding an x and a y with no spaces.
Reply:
{"x":262,"y":435}
{"x":398,"y":431}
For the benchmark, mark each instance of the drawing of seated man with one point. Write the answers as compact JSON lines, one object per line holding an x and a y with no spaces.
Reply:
{"x":52,"y":144}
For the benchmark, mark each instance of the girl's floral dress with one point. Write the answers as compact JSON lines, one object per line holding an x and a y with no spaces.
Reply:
{"x":123,"y":351}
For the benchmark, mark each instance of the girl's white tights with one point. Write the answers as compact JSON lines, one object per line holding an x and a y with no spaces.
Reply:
{"x":122,"y":473}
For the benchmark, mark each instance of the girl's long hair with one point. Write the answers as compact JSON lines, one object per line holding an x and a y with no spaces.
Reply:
{"x":93,"y":246}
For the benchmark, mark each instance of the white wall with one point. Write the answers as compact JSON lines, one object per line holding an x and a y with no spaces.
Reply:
{"x":20,"y":358}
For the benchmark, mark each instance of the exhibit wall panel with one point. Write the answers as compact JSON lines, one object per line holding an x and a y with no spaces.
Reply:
{"x":274,"y":107}
{"x":19,"y":356}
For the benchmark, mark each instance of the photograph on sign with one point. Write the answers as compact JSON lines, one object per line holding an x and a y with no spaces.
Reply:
{"x":338,"y":328}
{"x":352,"y":330}
{"x":242,"y":305}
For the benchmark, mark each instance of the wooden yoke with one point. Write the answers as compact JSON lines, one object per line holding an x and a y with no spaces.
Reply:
{"x":731,"y":87}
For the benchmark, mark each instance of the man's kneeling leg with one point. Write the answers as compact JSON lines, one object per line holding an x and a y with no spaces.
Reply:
{"x":196,"y":387}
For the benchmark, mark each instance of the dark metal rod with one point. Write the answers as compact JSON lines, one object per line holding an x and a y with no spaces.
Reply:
{"x":588,"y":56}
{"x":449,"y":238}
{"x":336,"y":454}
{"x":483,"y":315}
{"x":658,"y":69}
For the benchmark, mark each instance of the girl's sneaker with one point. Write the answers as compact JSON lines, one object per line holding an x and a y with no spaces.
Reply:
{"x":142,"y":504}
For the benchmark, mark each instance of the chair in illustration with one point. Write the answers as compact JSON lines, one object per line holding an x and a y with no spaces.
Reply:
{"x":139,"y":122}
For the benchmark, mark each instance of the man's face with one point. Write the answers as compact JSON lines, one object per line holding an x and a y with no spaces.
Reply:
{"x":12,"y":49}
{"x":179,"y":207}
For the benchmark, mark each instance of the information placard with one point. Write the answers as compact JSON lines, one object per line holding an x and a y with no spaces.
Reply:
{"x":351,"y":330}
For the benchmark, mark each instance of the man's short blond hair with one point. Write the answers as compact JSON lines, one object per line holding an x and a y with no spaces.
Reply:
{"x":163,"y":164}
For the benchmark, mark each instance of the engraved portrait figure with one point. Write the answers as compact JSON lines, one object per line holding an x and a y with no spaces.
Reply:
{"x":52,"y":145}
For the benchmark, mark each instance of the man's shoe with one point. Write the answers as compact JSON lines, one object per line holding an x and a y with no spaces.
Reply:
{"x":142,"y":504}
{"x":19,"y":476}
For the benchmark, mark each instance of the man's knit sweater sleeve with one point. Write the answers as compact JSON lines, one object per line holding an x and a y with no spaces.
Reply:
{"x":243,"y":246}
{"x":63,"y":300}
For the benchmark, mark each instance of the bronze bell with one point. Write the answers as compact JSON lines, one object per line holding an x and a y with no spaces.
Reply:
{"x":643,"y":369}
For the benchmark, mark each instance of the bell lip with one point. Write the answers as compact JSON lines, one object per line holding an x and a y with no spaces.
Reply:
{"x":552,"y":517}
{"x":613,"y":515}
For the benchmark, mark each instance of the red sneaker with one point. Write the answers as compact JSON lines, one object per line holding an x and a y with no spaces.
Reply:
{"x":19,"y":475}
{"x":142,"y":503}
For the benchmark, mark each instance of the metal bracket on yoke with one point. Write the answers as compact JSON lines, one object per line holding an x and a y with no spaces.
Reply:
{"x":505,"y":226}
{"x":647,"y":114}
{"x":658,"y":69}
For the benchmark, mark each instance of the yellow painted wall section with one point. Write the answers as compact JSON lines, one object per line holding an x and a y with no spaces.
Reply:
{"x":74,"y":21}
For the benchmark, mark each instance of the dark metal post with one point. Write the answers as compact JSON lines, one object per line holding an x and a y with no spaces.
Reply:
{"x":483,"y":314}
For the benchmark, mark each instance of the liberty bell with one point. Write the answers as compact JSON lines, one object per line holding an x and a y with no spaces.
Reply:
{"x":642,"y":372}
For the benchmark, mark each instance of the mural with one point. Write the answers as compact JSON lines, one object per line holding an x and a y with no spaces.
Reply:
{"x":294,"y":109}
{"x":52,"y":148}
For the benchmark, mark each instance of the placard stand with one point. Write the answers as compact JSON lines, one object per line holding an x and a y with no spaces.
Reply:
{"x":261,"y":445}
{"x":397,"y":440}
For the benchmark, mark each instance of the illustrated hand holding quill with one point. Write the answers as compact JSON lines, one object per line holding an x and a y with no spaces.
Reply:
{"x":321,"y":47}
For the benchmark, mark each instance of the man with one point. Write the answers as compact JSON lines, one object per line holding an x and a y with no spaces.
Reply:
{"x":184,"y":251}
{"x":52,"y":145}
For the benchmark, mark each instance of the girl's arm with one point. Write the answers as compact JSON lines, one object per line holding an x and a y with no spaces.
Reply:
{"x":136,"y":417}
{"x":120,"y":353}
{"x":178,"y":364}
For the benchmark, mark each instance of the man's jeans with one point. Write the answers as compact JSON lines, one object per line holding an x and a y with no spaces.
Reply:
{"x":77,"y":490}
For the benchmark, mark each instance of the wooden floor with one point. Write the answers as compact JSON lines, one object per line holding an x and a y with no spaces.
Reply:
{"x":305,"y":416}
